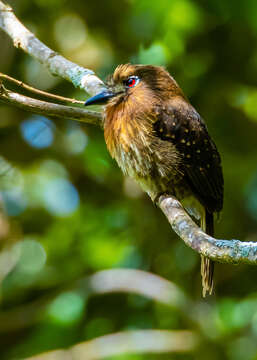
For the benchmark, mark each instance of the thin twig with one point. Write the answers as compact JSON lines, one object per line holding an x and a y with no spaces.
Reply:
{"x":39,"y":92}
{"x":49,"y":109}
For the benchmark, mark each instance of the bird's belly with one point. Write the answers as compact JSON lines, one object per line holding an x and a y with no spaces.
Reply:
{"x":152,"y":162}
{"x":154,"y":175}
{"x":142,"y":169}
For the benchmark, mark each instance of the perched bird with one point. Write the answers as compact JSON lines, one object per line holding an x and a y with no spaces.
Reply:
{"x":159,"y":139}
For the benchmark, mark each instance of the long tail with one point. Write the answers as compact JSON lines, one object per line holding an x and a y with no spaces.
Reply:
{"x":207,"y":265}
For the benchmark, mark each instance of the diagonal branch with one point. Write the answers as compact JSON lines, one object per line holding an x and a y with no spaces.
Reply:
{"x":22,"y":38}
{"x":128,"y":281}
{"x":233,"y":251}
{"x":125,"y":343}
{"x":226,"y":251}
{"x":49,"y":109}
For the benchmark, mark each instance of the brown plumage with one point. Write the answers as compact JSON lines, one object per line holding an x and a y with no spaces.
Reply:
{"x":159,"y":139}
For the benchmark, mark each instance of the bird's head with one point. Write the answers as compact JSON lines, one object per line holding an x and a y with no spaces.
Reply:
{"x":138,"y":84}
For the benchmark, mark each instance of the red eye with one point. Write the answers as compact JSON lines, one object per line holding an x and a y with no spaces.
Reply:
{"x":131,"y":81}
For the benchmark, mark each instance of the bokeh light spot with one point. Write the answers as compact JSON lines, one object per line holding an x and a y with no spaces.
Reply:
{"x":61,"y":198}
{"x":67,"y":308}
{"x":184,"y":15}
{"x":156,"y":55}
{"x":14,"y":201}
{"x":49,"y":168}
{"x":32,"y":256}
{"x":37,"y":131}
{"x":75,"y":139}
{"x":70,"y":32}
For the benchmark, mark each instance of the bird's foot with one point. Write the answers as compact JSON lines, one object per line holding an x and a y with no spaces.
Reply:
{"x":157,"y":197}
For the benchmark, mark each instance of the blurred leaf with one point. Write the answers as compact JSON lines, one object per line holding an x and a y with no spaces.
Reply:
{"x":66,"y":309}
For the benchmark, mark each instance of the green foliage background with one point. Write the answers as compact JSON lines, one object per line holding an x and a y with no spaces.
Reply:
{"x":71,"y":212}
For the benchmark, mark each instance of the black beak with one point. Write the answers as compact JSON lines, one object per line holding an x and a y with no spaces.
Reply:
{"x":100,"y":98}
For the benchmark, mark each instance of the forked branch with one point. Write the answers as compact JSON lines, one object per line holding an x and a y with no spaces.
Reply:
{"x":49,"y":109}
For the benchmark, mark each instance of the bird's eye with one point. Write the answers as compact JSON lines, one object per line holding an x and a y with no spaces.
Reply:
{"x":131,"y":81}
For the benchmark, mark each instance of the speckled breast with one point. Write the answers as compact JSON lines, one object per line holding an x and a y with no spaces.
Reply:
{"x":152,"y":162}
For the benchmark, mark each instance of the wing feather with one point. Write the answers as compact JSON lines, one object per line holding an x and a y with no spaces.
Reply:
{"x":201,"y":163}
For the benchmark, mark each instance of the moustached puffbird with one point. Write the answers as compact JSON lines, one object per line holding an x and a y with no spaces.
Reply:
{"x":159,"y":139}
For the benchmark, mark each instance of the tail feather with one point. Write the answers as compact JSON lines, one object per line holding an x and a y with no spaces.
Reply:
{"x":207,"y":265}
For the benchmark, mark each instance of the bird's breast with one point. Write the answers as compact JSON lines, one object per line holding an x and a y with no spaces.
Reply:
{"x":129,"y":143}
{"x":139,"y":153}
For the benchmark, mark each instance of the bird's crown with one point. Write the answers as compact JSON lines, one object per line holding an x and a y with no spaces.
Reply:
{"x":140,"y":81}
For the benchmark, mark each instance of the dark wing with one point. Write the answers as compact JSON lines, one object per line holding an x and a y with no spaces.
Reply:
{"x":201,"y":163}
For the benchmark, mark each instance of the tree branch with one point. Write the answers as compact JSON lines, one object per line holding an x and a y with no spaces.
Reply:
{"x":49,"y":109}
{"x":127,"y":342}
{"x":45,"y":94}
{"x":129,"y":281}
{"x":22,"y":38}
{"x":226,"y":251}
{"x":136,"y":281}
{"x":232,"y":251}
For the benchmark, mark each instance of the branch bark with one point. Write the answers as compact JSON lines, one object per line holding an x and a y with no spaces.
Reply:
{"x":225,"y":251}
{"x":38,"y":92}
{"x":49,"y":109}
{"x":23,"y":39}
{"x":232,"y":251}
